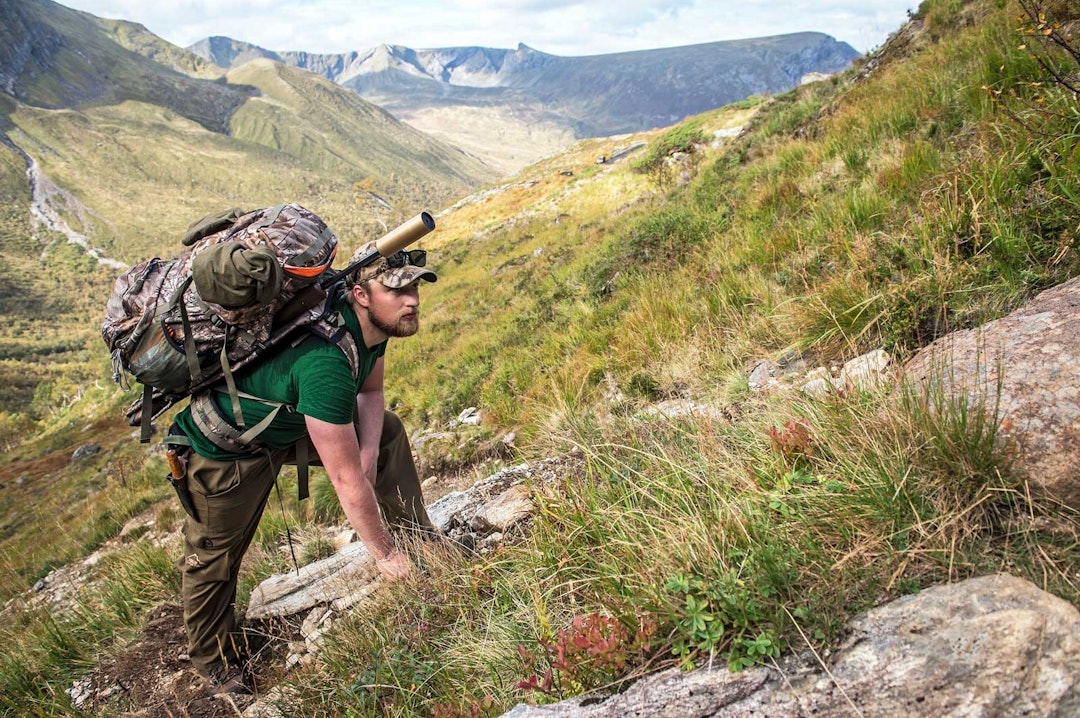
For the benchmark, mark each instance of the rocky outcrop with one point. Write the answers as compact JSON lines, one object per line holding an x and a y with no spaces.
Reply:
{"x":472,"y":519}
{"x":1028,"y":364}
{"x":990,"y":646}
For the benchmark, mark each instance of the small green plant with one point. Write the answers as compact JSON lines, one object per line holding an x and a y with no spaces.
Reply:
{"x":715,"y":613}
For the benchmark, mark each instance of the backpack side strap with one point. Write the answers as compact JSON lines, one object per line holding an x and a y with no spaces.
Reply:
{"x":221,"y":432}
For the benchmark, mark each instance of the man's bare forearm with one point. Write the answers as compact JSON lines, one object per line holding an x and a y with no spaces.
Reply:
{"x":340,"y":453}
{"x":370,"y":406}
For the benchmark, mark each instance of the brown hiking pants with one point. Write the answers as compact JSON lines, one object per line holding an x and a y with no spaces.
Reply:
{"x":229,"y":497}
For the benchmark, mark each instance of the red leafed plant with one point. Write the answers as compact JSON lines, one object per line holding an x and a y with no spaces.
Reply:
{"x":592,"y":652}
{"x":793,"y":442}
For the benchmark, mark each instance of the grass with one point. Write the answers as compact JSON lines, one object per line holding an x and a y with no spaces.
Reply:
{"x":694,"y":542}
{"x":46,"y":649}
{"x":848,"y":216}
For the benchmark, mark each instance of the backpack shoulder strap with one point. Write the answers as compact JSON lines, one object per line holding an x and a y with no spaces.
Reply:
{"x":332,"y":328}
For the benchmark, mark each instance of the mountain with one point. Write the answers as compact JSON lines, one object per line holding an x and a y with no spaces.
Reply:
{"x":116,"y":140}
{"x":53,"y":57}
{"x":448,"y":90}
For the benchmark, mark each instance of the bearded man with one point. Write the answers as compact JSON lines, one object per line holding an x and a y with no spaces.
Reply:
{"x":339,"y":406}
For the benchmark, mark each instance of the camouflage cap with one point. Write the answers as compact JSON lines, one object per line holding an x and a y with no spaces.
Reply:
{"x":381,"y":271}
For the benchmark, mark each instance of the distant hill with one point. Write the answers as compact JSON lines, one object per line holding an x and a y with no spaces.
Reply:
{"x":447,"y":91}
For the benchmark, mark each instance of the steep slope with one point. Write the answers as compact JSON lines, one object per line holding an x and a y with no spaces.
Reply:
{"x":54,"y":57}
{"x":320,"y":123}
{"x":707,"y":513}
{"x":138,"y":39}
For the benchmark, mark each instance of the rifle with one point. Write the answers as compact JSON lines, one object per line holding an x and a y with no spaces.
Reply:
{"x":327,"y":286}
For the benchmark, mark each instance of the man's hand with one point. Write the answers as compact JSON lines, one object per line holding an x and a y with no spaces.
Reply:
{"x":395,"y":565}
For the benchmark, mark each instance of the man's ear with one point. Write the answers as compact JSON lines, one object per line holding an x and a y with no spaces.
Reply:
{"x":360,"y":295}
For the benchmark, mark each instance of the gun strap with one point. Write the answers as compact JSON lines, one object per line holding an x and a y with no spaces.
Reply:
{"x":302,"y":469}
{"x":221,"y":433}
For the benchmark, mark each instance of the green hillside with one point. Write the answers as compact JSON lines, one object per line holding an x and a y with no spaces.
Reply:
{"x":313,"y":119}
{"x":933,"y":187}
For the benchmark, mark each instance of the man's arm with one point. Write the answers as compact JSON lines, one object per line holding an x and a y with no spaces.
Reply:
{"x":339,"y":451}
{"x":370,"y":405}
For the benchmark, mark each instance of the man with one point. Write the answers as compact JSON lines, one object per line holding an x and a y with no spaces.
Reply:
{"x":363,"y":447}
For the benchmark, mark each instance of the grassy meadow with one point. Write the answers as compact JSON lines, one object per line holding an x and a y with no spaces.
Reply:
{"x":931,"y":188}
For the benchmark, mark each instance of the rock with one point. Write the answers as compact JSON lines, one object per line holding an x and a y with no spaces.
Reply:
{"x":489,"y":543}
{"x":419,"y":441}
{"x":763,"y":375}
{"x":348,"y":576}
{"x":678,"y":408}
{"x":504,"y":511}
{"x":1039,"y":348}
{"x":349,"y":598}
{"x":317,"y":583}
{"x":84,"y":451}
{"x":866,"y":372}
{"x":813,"y":77}
{"x":81,"y":692}
{"x":314,"y":620}
{"x":990,"y":646}
{"x":818,"y":387}
{"x":469,"y":417}
{"x":343,"y":539}
{"x":268,"y":705}
{"x":137,"y":525}
{"x":429,"y":483}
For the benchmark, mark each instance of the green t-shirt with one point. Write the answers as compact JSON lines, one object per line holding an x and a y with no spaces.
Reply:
{"x":313,"y":377}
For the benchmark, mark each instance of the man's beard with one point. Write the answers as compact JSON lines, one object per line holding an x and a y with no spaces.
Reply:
{"x":404,"y":327}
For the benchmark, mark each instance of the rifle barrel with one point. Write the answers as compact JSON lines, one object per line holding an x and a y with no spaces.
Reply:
{"x":396,"y":239}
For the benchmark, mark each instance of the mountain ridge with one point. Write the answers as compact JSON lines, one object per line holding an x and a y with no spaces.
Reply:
{"x":447,"y":91}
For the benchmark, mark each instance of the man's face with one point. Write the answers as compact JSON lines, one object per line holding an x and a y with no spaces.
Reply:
{"x":395,"y":312}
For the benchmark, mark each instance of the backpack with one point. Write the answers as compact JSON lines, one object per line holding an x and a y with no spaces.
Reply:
{"x":248,"y":282}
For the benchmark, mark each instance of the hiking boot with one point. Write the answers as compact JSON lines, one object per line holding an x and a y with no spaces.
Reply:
{"x":224,"y":680}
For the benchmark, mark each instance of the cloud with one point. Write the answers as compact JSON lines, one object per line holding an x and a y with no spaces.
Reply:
{"x":561,"y":27}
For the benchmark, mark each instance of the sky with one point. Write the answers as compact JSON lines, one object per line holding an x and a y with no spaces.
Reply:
{"x":558,"y":27}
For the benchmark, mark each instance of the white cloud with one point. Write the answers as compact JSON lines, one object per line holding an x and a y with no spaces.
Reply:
{"x":561,"y":27}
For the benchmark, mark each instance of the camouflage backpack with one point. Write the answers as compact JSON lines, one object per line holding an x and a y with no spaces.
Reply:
{"x":248,"y":281}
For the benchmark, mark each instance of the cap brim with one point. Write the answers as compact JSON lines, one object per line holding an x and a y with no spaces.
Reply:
{"x":404,"y":276}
